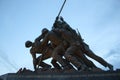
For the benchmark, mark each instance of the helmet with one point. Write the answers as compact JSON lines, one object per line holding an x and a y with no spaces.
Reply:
{"x":28,"y":44}
{"x":44,"y":30}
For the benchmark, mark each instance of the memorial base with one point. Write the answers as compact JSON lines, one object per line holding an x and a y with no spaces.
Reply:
{"x":104,"y":75}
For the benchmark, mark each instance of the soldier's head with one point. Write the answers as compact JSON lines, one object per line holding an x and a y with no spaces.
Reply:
{"x":57,"y":24}
{"x":44,"y":30}
{"x":28,"y":44}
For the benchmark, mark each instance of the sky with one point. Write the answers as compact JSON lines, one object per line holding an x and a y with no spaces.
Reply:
{"x":98,"y":21}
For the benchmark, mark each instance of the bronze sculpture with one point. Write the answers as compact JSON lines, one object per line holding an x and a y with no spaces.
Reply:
{"x":65,"y":46}
{"x":36,"y":49}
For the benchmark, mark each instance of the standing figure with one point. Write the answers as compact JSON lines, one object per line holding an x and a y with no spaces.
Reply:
{"x":36,"y":50}
{"x":46,"y":51}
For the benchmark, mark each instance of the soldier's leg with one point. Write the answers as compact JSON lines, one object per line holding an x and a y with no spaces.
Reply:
{"x":55,"y":64}
{"x":89,"y":53}
{"x":68,"y":63}
{"x":86,"y":61}
{"x":68,"y":55}
{"x":56,"y":55}
{"x":43,"y":64}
